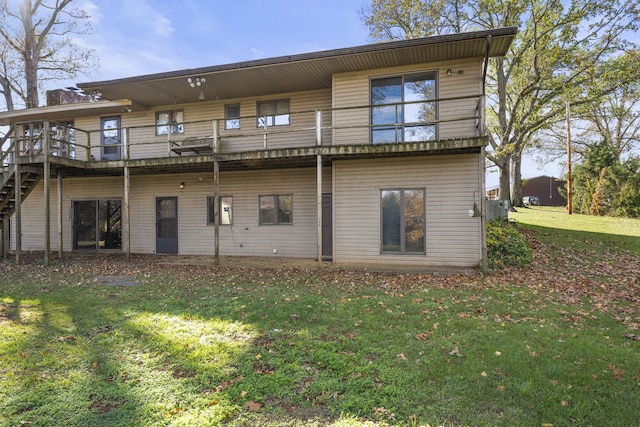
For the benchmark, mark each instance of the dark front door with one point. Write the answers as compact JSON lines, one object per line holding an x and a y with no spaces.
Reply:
{"x":167,"y":225}
{"x":327,"y":227}
{"x":110,"y":139}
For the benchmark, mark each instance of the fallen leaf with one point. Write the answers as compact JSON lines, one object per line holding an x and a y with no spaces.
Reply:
{"x":402,"y":356}
{"x":483,"y":373}
{"x":455,"y":352}
{"x":254,"y":406}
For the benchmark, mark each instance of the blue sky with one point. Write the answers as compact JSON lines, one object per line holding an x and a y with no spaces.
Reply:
{"x":145,"y":36}
{"x":134,"y":37}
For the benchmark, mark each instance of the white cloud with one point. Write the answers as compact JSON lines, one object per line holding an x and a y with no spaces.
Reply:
{"x":143,"y":15}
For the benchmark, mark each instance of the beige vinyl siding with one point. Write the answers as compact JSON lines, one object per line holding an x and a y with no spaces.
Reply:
{"x":199,"y":122}
{"x":244,"y":238}
{"x":452,"y":237}
{"x":73,"y":189}
{"x":352,"y":90}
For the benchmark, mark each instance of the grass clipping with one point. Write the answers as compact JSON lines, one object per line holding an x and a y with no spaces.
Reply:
{"x":506,"y":246}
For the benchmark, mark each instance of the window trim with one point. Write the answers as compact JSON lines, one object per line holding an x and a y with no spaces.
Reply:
{"x":273,"y":117}
{"x":403,"y":222}
{"x":276,"y":207}
{"x":209,"y":213}
{"x":402,"y":125}
{"x":173,"y":127}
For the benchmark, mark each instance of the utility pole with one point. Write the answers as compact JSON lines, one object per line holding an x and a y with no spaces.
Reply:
{"x":569,"y":180}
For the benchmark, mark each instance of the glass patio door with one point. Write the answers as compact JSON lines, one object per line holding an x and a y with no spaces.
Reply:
{"x":97,"y":224}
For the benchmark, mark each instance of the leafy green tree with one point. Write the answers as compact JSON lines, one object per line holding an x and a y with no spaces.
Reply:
{"x":561,"y":49}
{"x":36,"y":45}
{"x":603,"y":185}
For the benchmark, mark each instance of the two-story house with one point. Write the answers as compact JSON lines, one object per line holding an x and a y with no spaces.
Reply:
{"x":371,"y":154}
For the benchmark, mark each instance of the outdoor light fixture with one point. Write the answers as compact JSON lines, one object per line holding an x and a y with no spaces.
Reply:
{"x":196,"y":81}
{"x":449,"y":72}
{"x":95,"y":95}
{"x":182,"y":185}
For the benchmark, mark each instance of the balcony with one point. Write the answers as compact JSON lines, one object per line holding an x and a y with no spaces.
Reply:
{"x":330,"y":132}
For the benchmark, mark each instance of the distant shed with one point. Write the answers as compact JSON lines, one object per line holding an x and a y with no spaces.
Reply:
{"x":545,"y":188}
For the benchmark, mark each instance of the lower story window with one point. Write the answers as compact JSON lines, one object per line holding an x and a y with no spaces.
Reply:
{"x":97,"y":224}
{"x":403,"y":221}
{"x":276,"y":209}
{"x":225,"y":209}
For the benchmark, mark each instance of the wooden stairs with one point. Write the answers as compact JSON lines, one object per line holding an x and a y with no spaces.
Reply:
{"x":26,"y":182}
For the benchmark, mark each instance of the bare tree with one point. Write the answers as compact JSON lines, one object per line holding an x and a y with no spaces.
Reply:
{"x":37,"y":45}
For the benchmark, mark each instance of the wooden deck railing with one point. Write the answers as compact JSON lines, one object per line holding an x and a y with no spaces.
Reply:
{"x":325,"y":126}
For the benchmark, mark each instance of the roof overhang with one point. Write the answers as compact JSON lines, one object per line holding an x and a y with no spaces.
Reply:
{"x":65,"y":111}
{"x":284,"y":74}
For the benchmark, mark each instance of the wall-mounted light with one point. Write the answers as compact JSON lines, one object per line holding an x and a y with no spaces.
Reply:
{"x":182,"y":185}
{"x":196,"y":81}
{"x":449,"y":72}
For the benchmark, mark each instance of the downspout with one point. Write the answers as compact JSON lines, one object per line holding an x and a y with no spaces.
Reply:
{"x":483,"y":185}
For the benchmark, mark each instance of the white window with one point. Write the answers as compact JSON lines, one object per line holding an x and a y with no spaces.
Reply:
{"x":169,"y":122}
{"x":274,"y":113}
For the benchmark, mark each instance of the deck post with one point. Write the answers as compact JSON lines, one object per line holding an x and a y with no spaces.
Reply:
{"x":319,"y":207}
{"x":216,"y":137}
{"x":126,"y":227}
{"x":60,"y":203}
{"x":484,"y":262}
{"x":6,"y":237}
{"x":18,"y":197}
{"x":47,"y":196}
{"x":216,"y":189}
{"x":216,"y":212}
{"x":319,"y":128}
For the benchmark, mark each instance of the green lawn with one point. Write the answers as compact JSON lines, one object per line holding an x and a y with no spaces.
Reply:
{"x":585,"y":230}
{"x":189,"y":345}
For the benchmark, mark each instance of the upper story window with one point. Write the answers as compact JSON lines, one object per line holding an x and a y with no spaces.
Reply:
{"x":275,"y":112}
{"x":169,"y":122}
{"x":232,"y":116}
{"x":407,"y":111}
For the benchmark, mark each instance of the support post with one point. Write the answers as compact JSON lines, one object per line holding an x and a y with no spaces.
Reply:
{"x":6,"y":237}
{"x":126,"y":223}
{"x":319,"y":128}
{"x":60,"y":230}
{"x":216,"y":212}
{"x":47,"y":196}
{"x":319,"y":206}
{"x":216,"y":137}
{"x":484,"y":253}
{"x":18,"y":201}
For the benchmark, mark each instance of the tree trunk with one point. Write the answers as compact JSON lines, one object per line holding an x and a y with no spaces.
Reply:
{"x":505,"y":182}
{"x":516,"y":180}
{"x":6,"y":91}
